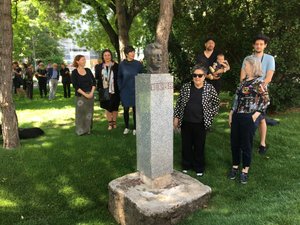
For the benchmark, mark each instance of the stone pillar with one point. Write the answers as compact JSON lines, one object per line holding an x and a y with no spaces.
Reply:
{"x":154,"y":115}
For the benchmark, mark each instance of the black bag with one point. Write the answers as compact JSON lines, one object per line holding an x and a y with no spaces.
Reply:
{"x":103,"y":94}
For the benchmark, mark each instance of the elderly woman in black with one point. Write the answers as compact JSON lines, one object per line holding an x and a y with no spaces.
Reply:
{"x":84,"y":83}
{"x":195,"y":109}
{"x":251,"y":100}
{"x":109,"y":96}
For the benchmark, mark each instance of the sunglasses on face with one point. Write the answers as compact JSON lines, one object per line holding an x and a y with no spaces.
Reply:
{"x":198,"y":75}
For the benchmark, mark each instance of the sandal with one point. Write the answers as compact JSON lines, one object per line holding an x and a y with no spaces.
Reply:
{"x":110,"y":125}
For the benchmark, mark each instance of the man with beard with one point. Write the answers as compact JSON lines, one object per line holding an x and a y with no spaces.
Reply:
{"x":206,"y":59}
{"x":268,"y":68}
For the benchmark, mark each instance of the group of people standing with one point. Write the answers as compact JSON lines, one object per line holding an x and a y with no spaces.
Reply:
{"x":196,"y":106}
{"x":114,"y":83}
{"x":46,"y":77}
{"x":198,"y":103}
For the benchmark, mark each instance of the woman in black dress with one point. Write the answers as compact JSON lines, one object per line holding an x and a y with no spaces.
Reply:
{"x":107,"y":75}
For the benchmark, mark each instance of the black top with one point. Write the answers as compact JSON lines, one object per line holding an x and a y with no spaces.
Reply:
{"x":207,"y":62}
{"x":193,"y":112}
{"x":84,"y":82}
{"x":66,"y":77}
{"x":42,"y":72}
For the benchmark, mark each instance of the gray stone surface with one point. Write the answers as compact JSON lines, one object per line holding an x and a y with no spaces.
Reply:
{"x":153,"y":57}
{"x":154,"y":115}
{"x":132,"y":202}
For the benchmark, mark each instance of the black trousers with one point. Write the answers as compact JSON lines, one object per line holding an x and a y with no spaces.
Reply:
{"x":216,"y":84}
{"x":193,"y":137}
{"x":242,"y":133}
{"x":126,"y":117}
{"x":29,"y":89}
{"x":67,"y":90}
{"x":43,"y":88}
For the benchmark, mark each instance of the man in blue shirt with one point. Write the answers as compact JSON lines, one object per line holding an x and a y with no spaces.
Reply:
{"x":53,"y":75}
{"x":268,"y":68}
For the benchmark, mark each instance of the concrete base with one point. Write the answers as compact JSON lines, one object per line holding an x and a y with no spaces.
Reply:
{"x":132,"y":202}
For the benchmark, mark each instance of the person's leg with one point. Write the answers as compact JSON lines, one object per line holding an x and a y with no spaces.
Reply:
{"x":126,"y":117}
{"x":199,"y":136}
{"x":109,"y":118}
{"x":69,"y":90}
{"x":263,"y":132}
{"x":247,"y":134}
{"x":65,"y":89}
{"x":115,"y":116}
{"x":235,"y":141}
{"x":186,"y":145}
{"x":55,"y":83}
{"x":134,"y":117}
{"x":45,"y":88}
{"x":51,"y":89}
{"x":41,"y":88}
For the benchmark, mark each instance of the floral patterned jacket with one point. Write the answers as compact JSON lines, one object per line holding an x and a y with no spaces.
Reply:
{"x":251,"y":96}
{"x":210,"y":103}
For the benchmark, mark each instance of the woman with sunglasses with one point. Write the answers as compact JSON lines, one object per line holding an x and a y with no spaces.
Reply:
{"x":197,"y":104}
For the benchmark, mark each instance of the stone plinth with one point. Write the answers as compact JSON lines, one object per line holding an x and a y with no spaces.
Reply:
{"x":132,"y":202}
{"x":154,"y":115}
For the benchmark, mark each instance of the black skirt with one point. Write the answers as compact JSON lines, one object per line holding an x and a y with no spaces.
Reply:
{"x":112,"y":104}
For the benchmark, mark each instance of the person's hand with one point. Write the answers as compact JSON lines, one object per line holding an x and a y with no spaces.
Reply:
{"x":175,"y":123}
{"x":230,"y":118}
{"x":255,"y":116}
{"x":215,"y":76}
{"x":90,"y":95}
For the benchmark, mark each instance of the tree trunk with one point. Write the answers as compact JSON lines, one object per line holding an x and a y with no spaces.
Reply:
{"x":9,"y":116}
{"x":163,"y":31}
{"x":124,"y":23}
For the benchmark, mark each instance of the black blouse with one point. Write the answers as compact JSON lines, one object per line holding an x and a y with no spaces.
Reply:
{"x":84,"y":82}
{"x":193,"y":112}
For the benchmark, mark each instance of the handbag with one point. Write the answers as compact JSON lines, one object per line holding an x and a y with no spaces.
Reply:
{"x":104,"y":94}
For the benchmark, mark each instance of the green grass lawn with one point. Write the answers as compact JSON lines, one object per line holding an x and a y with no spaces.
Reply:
{"x":61,"y":178}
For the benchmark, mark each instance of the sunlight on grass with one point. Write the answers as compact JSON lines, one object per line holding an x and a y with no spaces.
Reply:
{"x":7,"y":203}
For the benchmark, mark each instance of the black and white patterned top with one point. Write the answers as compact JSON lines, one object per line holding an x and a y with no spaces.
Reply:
{"x":210,"y":103}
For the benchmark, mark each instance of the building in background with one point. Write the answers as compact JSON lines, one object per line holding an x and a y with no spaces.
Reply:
{"x":70,"y":50}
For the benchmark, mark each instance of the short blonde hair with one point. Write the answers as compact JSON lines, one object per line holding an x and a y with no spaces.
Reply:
{"x":255,"y":63}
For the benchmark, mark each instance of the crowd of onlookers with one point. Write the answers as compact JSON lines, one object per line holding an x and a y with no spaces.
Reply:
{"x":24,"y":77}
{"x":196,"y":106}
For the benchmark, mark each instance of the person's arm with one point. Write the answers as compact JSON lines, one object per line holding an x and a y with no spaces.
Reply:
{"x":120,"y":77}
{"x":243,"y":73}
{"x":177,"y":109}
{"x":215,"y":101}
{"x":270,"y":70}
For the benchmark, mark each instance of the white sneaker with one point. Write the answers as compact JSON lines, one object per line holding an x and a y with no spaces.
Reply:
{"x":134,"y":132}
{"x":126,"y":131}
{"x":199,"y":174}
{"x":184,"y":171}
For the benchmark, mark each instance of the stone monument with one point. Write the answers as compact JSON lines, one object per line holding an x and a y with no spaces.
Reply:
{"x":156,"y":194}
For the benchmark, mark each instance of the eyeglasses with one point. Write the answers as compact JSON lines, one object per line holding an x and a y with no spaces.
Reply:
{"x":198,"y":75}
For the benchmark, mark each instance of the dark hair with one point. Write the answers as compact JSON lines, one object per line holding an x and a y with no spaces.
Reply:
{"x":199,"y":67}
{"x":15,"y":63}
{"x":220,"y":54}
{"x":77,"y":58}
{"x":107,"y":50}
{"x":261,"y":37}
{"x":128,"y":49}
{"x":209,"y":39}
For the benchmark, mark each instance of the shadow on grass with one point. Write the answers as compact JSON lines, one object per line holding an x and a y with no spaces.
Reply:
{"x":62,"y":178}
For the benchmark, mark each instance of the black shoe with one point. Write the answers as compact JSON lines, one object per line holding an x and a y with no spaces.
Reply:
{"x":233,"y":173}
{"x":262,"y":150}
{"x":244,"y":178}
